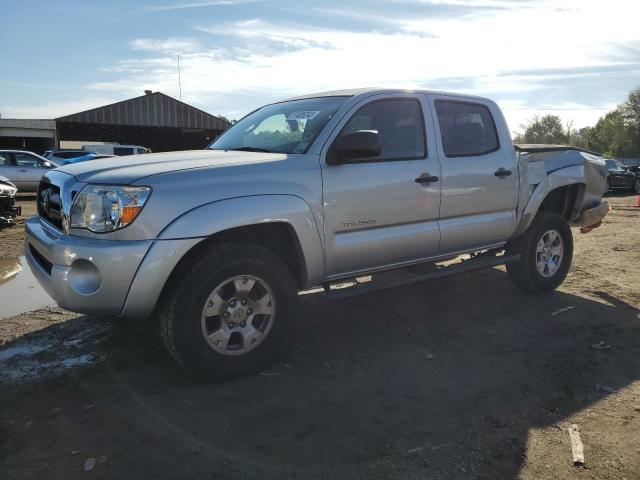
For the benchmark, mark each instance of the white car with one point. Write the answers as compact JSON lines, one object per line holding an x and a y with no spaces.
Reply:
{"x":119,"y":150}
{"x":24,"y":169}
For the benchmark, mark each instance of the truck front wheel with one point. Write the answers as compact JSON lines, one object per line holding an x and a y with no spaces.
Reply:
{"x":227,"y":313}
{"x":545,"y":250}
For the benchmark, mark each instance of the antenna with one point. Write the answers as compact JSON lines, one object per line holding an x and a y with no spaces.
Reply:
{"x":179,"y":79}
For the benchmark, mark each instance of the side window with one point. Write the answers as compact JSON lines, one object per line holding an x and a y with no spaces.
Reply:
{"x":26,"y":160}
{"x":5,"y":159}
{"x":122,"y":151}
{"x":399,"y":123}
{"x":467,"y":129}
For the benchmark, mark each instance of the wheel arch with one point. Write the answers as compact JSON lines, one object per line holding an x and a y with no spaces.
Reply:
{"x":561,"y":192}
{"x":284,"y":224}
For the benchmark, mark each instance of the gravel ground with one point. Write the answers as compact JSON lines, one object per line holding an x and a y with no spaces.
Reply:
{"x":459,"y":378}
{"x":12,"y":239}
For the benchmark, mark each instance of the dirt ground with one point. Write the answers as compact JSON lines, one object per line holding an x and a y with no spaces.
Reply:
{"x":459,"y":378}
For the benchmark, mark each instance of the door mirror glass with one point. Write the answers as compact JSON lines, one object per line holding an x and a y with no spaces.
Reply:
{"x":352,"y":146}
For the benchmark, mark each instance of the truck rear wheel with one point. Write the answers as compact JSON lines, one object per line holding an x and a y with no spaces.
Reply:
{"x":227,"y":313}
{"x":546,"y":250}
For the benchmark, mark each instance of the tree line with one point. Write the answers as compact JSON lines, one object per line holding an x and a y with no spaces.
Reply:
{"x":617,"y":134}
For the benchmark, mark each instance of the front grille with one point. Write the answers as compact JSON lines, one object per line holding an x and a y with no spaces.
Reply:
{"x":46,"y":265}
{"x":50,"y":203}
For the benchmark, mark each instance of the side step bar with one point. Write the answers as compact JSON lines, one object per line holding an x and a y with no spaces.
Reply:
{"x":400,"y":277}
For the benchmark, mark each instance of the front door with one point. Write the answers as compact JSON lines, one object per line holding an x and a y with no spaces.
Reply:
{"x":383,"y":211}
{"x":30,"y":170}
{"x":479,"y":174}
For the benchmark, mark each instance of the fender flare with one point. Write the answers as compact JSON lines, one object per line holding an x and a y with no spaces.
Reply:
{"x":573,"y":175}
{"x":211,"y":218}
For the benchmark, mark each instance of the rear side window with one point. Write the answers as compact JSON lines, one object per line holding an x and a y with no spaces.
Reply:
{"x":68,"y":155}
{"x":399,"y":123}
{"x":5,"y":159}
{"x":122,"y":151}
{"x":467,"y":129}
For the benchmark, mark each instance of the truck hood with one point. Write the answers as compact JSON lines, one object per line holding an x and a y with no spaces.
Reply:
{"x":128,"y":169}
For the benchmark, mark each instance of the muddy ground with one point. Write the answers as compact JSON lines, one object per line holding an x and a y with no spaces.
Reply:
{"x":459,"y":378}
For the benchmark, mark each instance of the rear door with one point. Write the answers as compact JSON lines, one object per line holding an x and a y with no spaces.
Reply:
{"x":7,"y":167}
{"x":30,"y":170}
{"x":479,"y":173}
{"x":379,"y":211}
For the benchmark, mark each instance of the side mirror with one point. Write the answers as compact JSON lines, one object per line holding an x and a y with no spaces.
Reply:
{"x":361,"y":144}
{"x":47,"y":165}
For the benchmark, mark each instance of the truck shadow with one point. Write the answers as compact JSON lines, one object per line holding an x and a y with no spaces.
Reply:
{"x":443,"y":379}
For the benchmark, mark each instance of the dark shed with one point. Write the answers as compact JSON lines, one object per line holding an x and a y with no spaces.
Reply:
{"x":154,"y":120}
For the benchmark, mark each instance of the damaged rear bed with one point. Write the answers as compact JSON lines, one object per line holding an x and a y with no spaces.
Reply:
{"x":544,"y":168}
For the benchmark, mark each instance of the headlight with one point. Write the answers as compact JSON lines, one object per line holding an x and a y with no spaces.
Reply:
{"x":6,"y":189}
{"x":102,"y":208}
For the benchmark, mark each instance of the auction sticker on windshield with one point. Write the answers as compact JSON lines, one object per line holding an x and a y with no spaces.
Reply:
{"x":304,"y":115}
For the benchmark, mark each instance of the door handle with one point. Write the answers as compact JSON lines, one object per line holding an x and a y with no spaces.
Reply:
{"x":502,"y":172}
{"x":22,"y":170}
{"x":426,"y":178}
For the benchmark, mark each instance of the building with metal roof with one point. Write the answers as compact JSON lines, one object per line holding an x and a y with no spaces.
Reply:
{"x":154,"y":120}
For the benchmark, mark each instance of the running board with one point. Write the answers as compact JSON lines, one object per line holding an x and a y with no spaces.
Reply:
{"x":400,"y":277}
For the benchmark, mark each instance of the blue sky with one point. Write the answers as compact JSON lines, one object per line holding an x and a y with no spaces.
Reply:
{"x":573,"y":58}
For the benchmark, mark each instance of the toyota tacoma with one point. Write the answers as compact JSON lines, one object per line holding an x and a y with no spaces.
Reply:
{"x":354,"y":187}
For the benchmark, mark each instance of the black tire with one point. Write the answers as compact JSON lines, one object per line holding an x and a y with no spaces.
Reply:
{"x":181,"y":311}
{"x":524,"y":273}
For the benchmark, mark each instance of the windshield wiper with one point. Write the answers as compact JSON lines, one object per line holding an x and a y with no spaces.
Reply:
{"x":250,"y":149}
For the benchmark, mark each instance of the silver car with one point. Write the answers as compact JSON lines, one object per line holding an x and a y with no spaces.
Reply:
{"x":24,"y":169}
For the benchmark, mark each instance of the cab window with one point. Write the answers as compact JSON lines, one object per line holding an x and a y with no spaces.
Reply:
{"x":467,"y":129}
{"x":400,"y":124}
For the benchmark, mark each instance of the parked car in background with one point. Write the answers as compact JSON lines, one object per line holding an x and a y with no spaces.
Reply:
{"x":8,"y":209}
{"x":622,"y":177}
{"x":118,"y":150}
{"x":629,"y":162}
{"x":24,"y":169}
{"x":62,"y":155}
{"x":89,"y":156}
{"x":65,"y":157}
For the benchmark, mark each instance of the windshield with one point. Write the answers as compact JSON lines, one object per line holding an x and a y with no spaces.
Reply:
{"x":287,"y":127}
{"x":614,"y":165}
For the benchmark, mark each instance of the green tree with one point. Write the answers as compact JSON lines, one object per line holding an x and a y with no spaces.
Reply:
{"x":546,"y":129}
{"x":617,"y":134}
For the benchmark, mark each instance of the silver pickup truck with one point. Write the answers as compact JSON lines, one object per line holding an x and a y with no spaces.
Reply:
{"x":318,"y":190}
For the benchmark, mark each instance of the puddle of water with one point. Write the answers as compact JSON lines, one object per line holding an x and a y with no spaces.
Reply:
{"x":46,"y":354}
{"x":19,"y":289}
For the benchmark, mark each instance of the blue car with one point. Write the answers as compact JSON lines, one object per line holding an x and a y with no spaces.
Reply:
{"x":67,"y":156}
{"x":88,"y":156}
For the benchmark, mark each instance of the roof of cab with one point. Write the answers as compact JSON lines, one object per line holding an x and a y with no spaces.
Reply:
{"x":351,"y":92}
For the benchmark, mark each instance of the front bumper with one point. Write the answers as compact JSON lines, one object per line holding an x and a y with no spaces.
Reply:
{"x":102,"y":277}
{"x":83,"y":275}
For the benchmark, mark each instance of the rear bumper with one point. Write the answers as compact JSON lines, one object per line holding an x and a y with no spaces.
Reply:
{"x":593,"y":215}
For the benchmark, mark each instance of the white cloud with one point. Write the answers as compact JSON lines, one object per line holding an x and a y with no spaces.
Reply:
{"x":524,"y":54}
{"x":57,"y":108}
{"x":212,"y":3}
{"x":171,"y":45}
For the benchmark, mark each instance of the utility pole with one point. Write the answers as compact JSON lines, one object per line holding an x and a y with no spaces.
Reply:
{"x":179,"y":79}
